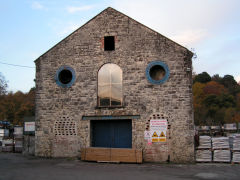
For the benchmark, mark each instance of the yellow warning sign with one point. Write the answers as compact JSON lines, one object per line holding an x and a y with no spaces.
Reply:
{"x":162,"y":140}
{"x":162,"y":134}
{"x":155,"y":135}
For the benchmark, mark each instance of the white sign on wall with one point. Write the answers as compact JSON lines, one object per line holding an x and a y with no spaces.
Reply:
{"x":147,"y":135}
{"x":158,"y":130}
{"x":29,"y":126}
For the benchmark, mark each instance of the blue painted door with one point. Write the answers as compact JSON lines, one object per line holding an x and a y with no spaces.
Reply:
{"x":112,"y":134}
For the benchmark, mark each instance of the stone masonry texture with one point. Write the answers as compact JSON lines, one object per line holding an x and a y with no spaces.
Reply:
{"x":135,"y":47}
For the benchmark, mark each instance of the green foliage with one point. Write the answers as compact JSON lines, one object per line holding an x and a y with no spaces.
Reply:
{"x":203,"y":77}
{"x":14,"y":106}
{"x":229,"y":82}
{"x":216,"y":101}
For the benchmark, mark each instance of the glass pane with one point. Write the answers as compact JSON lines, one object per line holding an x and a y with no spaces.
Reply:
{"x":116,"y":74}
{"x":104,"y":101}
{"x":104,"y":74}
{"x":104,"y":94}
{"x":116,"y":96}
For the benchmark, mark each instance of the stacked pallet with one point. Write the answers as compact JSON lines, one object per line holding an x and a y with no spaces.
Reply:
{"x":236,"y":142}
{"x":205,"y":142}
{"x":236,"y":148}
{"x":222,"y":156}
{"x":7,"y":145}
{"x":220,"y":143}
{"x":203,"y":130}
{"x":18,"y":139}
{"x":236,"y":157}
{"x":204,"y":155}
{"x":221,"y":149}
{"x":230,"y":127}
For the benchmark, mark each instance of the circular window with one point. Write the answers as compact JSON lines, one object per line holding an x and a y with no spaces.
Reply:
{"x":157,"y":72}
{"x":65,"y":76}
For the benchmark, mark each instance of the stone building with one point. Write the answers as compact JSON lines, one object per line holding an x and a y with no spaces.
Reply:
{"x":106,"y":83}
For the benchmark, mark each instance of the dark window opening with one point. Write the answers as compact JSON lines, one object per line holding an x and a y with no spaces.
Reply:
{"x":109,"y":43}
{"x":157,"y":72}
{"x":65,"y":76}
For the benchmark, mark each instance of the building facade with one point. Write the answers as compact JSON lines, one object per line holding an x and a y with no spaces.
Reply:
{"x":104,"y":84}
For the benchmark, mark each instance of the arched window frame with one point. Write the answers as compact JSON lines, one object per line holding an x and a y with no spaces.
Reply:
{"x":110,"y":84}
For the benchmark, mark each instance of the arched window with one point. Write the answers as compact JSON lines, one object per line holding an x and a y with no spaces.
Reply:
{"x":110,"y":85}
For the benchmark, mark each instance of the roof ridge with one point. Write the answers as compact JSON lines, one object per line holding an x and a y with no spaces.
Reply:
{"x":117,"y":12}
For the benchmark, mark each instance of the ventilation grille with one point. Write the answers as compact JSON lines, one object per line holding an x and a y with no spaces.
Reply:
{"x":65,"y":126}
{"x":155,"y":116}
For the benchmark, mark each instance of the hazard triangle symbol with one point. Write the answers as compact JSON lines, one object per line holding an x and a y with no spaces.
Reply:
{"x":162,"y":134}
{"x":155,"y":134}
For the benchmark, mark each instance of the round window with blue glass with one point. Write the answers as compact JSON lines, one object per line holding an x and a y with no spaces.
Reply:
{"x":157,"y":72}
{"x":65,"y":76}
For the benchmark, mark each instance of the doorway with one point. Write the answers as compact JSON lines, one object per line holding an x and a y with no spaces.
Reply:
{"x":111,"y":133}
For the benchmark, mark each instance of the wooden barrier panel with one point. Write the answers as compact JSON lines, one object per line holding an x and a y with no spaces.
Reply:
{"x":111,"y":155}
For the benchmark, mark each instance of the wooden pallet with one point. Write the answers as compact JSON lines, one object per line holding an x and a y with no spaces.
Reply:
{"x":111,"y":155}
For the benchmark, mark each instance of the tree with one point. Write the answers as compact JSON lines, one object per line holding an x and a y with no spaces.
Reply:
{"x":203,"y":77}
{"x":3,"y":85}
{"x":214,"y":87}
{"x":216,"y":78}
{"x":229,"y":82}
{"x":15,"y":106}
{"x":238,"y":101}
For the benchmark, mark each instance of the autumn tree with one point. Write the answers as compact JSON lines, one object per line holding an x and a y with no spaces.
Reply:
{"x":216,"y":99}
{"x":15,"y":106}
{"x":3,"y":85}
{"x":214,"y":87}
{"x":229,"y":82}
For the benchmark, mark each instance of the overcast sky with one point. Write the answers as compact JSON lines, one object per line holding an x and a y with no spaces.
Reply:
{"x":29,"y":28}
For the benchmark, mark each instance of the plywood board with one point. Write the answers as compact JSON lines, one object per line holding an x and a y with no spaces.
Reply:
{"x":112,"y":155}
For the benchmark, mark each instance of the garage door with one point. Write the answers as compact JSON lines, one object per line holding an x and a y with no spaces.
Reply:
{"x":112,"y":134}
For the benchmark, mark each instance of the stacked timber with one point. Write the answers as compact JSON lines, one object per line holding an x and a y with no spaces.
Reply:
{"x":221,"y":149}
{"x":111,"y":155}
{"x":18,"y":139}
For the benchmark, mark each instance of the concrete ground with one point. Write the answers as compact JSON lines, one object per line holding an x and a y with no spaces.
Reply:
{"x":18,"y":167}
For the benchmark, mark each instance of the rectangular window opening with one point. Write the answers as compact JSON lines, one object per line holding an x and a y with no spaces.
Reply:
{"x":109,"y":43}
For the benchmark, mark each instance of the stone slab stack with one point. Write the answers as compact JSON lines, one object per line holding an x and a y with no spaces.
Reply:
{"x":222,"y":156}
{"x":18,"y":139}
{"x":236,"y":148}
{"x":7,"y":145}
{"x":221,"y":149}
{"x":204,"y":153}
{"x":205,"y":142}
{"x":220,"y":143}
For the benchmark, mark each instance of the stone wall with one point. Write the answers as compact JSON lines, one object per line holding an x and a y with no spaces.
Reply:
{"x":135,"y":47}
